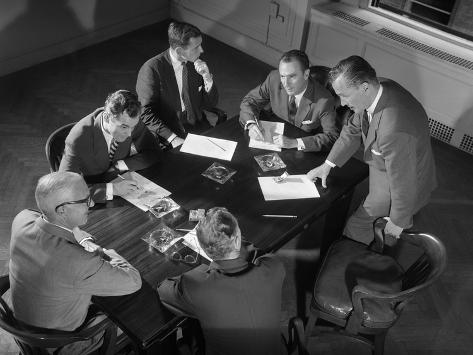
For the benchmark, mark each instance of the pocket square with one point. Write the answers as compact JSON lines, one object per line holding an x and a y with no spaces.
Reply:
{"x":307,"y":122}
{"x":376,"y":152}
{"x":200,"y":88}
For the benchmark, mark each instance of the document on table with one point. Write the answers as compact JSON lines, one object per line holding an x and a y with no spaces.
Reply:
{"x":190,"y":239}
{"x":293,"y":187}
{"x":269,"y":130}
{"x":209,"y":147}
{"x":148,"y":193}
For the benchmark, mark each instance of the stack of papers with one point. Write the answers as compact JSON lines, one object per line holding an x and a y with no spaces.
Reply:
{"x":190,"y":240}
{"x":209,"y":147}
{"x":293,"y":187}
{"x":148,"y":193}
{"x":269,"y":130}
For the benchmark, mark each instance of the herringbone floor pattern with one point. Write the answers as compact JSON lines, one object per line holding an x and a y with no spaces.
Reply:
{"x":35,"y":101}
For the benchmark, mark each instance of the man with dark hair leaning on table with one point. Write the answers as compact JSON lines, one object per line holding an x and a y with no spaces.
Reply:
{"x":297,"y":98}
{"x":394,"y":129}
{"x":238,"y":303}
{"x":110,"y":140}
{"x":55,"y":267}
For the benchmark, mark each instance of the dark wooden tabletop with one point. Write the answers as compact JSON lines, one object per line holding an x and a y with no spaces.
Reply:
{"x":120,"y":225}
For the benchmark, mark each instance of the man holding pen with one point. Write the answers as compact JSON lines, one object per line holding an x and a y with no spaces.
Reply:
{"x":110,"y":140}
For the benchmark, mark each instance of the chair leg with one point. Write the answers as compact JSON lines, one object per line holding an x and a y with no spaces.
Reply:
{"x":309,"y":328}
{"x":379,"y":343}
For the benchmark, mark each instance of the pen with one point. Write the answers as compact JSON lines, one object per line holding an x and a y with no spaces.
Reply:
{"x":184,"y":230}
{"x":279,"y":216}
{"x":211,"y":141}
{"x":121,"y":177}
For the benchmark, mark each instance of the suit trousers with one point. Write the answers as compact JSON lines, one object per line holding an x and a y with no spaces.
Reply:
{"x":377,"y":204}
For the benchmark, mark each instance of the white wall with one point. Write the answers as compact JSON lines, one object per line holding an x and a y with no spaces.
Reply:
{"x":32,"y":31}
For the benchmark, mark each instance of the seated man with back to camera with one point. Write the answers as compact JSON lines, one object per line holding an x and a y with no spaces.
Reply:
{"x":297,"y":98}
{"x":238,"y":303}
{"x":176,"y":86}
{"x":110,"y":140}
{"x":55,"y":267}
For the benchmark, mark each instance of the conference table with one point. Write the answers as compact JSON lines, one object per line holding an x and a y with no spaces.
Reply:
{"x":120,"y":225}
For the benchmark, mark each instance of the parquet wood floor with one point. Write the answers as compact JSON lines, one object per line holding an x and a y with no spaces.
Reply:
{"x":35,"y":101}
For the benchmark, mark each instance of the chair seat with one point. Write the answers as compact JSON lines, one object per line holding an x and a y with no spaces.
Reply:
{"x":347,"y":264}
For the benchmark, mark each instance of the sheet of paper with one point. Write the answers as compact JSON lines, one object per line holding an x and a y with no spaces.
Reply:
{"x":209,"y":147}
{"x":293,"y":187}
{"x":269,"y":130}
{"x":148,"y":193}
{"x":190,"y":239}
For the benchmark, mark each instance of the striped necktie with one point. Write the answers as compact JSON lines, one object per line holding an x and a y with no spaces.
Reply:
{"x":112,"y":150}
{"x":292,"y":109}
{"x":186,"y":96}
{"x":365,"y":124}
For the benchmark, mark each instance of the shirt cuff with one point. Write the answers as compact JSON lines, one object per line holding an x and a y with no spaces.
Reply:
{"x":171,"y":137}
{"x":121,"y":165}
{"x":109,"y":191}
{"x":248,"y":123}
{"x":300,"y":144}
{"x":329,"y":163}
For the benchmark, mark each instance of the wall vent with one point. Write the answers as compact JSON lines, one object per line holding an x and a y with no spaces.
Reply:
{"x":350,"y":18}
{"x":440,"y":131}
{"x":467,"y":144}
{"x":435,"y":52}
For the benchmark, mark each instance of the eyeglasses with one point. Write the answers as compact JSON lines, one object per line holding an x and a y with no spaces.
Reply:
{"x":188,"y":258}
{"x":87,"y":200}
{"x":181,"y":252}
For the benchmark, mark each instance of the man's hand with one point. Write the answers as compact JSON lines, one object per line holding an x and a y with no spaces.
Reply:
{"x":285,"y":142}
{"x":123,"y":187}
{"x":320,"y":172}
{"x":202,"y":69}
{"x":176,"y":142}
{"x":255,"y":133}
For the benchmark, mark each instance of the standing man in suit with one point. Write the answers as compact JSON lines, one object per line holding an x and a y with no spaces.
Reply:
{"x":394,"y":129}
{"x":297,"y":98}
{"x":175,"y":86}
{"x":237,"y":302}
{"x":55,"y":267}
{"x":110,"y":140}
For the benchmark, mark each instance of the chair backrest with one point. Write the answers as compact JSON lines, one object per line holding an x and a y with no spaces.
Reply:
{"x":427,"y":267}
{"x":33,"y":340}
{"x":55,"y":146}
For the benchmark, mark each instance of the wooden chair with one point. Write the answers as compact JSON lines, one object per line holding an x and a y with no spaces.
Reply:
{"x":34,"y":340}
{"x":55,"y":146}
{"x":361,"y":291}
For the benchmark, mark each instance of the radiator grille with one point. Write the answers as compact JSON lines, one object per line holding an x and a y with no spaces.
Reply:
{"x":350,"y":18}
{"x":440,"y":131}
{"x":467,"y":144}
{"x":435,"y":52}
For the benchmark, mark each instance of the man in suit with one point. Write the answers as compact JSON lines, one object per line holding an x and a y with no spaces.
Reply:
{"x":297,"y":98}
{"x":238,"y":303}
{"x":393,"y":127}
{"x":55,"y":267}
{"x":175,"y":86}
{"x":110,"y":140}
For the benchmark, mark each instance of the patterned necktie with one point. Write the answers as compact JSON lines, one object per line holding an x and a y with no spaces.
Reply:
{"x":185,"y":94}
{"x":365,"y":124}
{"x":292,"y":109}
{"x":113,"y":149}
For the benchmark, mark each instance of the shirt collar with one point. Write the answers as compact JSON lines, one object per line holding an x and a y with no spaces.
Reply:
{"x":298,"y":97}
{"x":53,"y":228}
{"x":176,"y":63}
{"x":108,"y":137}
{"x":370,"y":109}
{"x":230,"y":266}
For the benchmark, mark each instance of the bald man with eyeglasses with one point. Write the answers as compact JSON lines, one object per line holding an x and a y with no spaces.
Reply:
{"x":55,"y":267}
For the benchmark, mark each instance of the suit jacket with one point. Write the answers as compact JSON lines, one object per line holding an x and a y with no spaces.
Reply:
{"x":238,"y":304}
{"x":317,"y":106}
{"x":86,"y":152}
{"x":53,"y":278}
{"x":397,"y":143}
{"x":159,"y":95}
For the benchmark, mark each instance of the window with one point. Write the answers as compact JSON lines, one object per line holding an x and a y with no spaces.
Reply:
{"x":452,"y":16}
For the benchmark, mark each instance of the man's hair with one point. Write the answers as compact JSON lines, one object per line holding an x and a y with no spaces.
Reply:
{"x":296,"y":55}
{"x":355,"y":71}
{"x":122,"y":101}
{"x":216,"y":232}
{"x":179,"y":34}
{"x":54,"y":184}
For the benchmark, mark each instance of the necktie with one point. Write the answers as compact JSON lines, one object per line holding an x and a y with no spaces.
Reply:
{"x":185,"y":94}
{"x":113,"y":149}
{"x":365,"y":124}
{"x":292,"y":109}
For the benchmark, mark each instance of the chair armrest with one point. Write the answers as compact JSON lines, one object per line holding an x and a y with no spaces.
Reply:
{"x":297,"y":339}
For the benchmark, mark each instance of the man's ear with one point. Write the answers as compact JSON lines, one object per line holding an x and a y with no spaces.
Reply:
{"x":306,"y":74}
